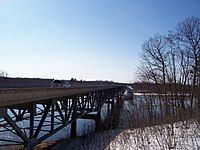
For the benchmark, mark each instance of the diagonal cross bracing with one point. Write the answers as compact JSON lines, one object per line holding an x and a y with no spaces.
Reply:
{"x":56,"y":112}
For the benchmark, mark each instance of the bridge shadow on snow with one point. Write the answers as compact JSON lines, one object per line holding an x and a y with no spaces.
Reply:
{"x":94,"y":141}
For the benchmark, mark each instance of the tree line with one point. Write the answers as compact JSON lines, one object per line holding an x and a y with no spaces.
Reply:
{"x":173,"y":61}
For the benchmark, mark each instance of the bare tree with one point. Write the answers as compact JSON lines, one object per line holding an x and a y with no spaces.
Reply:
{"x":188,"y":33}
{"x":177,"y":70}
{"x":172,"y":62}
{"x":154,"y":55}
{"x":3,"y":74}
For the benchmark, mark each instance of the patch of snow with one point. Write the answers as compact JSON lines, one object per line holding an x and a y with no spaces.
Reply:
{"x":181,"y":135}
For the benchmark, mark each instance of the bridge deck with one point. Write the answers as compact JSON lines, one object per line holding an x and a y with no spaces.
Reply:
{"x":14,"y":96}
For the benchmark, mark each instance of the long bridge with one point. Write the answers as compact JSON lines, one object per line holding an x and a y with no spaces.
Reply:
{"x":48,"y":110}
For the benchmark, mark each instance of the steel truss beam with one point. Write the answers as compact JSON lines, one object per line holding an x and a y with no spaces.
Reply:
{"x":58,"y":113}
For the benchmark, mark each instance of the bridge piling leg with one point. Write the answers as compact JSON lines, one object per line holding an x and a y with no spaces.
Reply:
{"x":32,"y":111}
{"x":98,"y":121}
{"x":108,"y":106}
{"x":73,"y":129}
{"x":112,"y":105}
{"x":74,"y":116}
{"x":98,"y":115}
{"x":52,"y":116}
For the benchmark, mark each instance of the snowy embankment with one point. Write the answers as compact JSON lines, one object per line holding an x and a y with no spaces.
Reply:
{"x":179,"y":135}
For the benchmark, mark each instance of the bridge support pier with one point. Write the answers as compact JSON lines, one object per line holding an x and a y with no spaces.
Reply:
{"x":98,"y":121}
{"x":74,"y":116}
{"x":73,"y":129}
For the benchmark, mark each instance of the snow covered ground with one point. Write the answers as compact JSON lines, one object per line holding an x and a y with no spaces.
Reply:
{"x":181,"y":135}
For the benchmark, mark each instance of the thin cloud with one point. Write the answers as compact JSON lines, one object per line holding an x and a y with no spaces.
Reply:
{"x":128,"y":23}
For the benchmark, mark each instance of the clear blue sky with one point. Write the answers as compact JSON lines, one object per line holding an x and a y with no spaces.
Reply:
{"x":84,"y":39}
